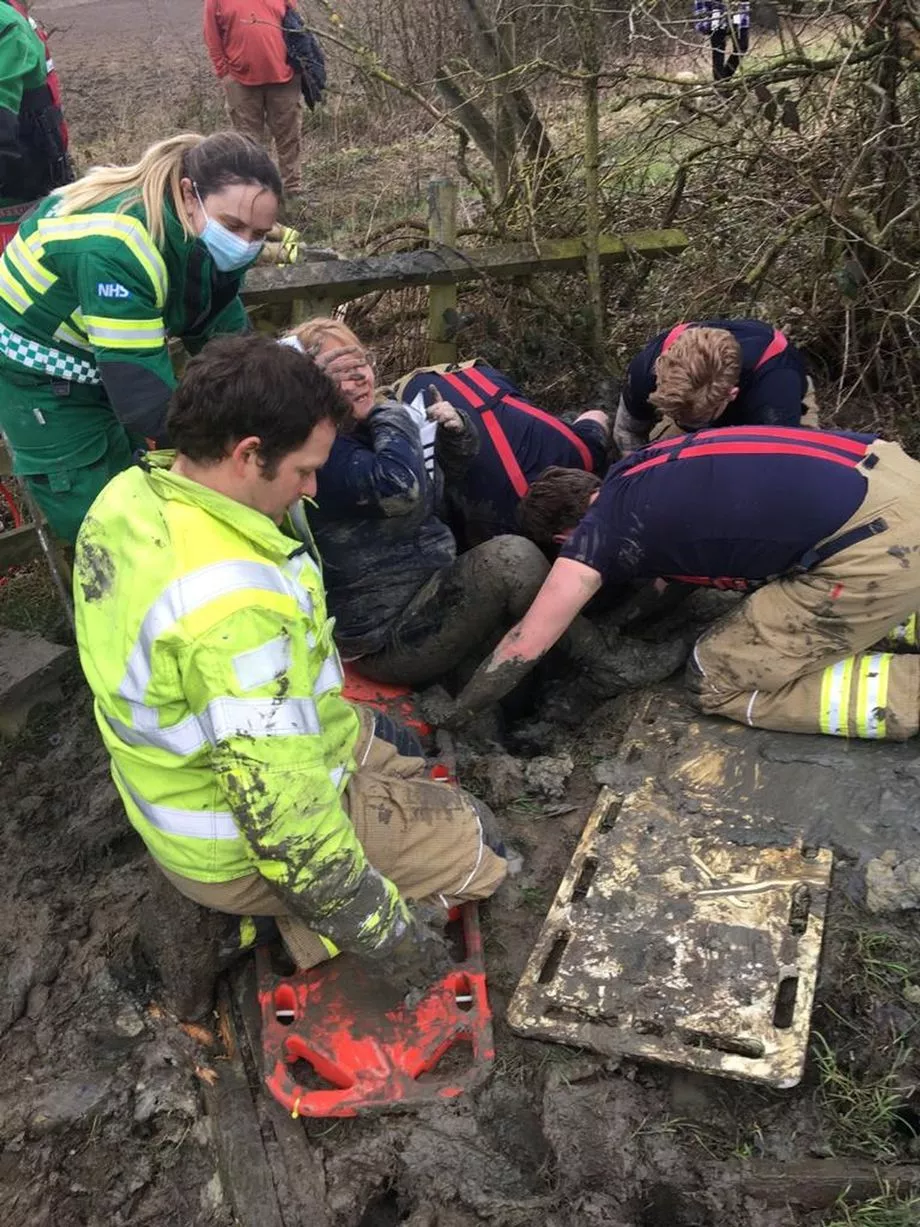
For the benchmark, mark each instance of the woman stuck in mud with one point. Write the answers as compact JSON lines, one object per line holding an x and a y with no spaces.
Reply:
{"x":408,"y":610}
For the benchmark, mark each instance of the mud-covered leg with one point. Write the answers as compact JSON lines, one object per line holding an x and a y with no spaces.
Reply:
{"x":459,"y":610}
{"x":610,"y":665}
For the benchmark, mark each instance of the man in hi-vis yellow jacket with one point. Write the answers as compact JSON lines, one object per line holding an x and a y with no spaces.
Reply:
{"x":202,"y":630}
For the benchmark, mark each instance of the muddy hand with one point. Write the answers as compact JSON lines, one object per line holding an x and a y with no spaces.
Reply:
{"x":630,"y":663}
{"x":442,"y":412}
{"x":421,"y":958}
{"x":344,"y":363}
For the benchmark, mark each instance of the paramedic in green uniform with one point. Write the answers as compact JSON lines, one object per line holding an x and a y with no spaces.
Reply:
{"x":97,"y":278}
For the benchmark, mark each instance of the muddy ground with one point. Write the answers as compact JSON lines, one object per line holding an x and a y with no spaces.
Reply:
{"x":102,"y":1121}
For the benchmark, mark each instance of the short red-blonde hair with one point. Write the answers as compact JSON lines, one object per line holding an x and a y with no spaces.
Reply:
{"x":695,"y":376}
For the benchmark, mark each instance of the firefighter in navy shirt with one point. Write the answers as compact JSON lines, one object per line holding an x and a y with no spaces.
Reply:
{"x":517,"y":441}
{"x":821,"y":527}
{"x":725,"y":372}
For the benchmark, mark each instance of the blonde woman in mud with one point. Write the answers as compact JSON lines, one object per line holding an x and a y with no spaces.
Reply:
{"x":99,"y":275}
{"x":408,"y":610}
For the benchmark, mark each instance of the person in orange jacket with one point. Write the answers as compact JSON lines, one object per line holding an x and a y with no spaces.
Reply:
{"x":246,"y":44}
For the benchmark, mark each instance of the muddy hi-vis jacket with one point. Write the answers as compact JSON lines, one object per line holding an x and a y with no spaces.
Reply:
{"x":203,"y":634}
{"x":95,"y":288}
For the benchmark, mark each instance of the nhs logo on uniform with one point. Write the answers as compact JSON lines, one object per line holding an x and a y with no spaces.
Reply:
{"x":111,"y":289}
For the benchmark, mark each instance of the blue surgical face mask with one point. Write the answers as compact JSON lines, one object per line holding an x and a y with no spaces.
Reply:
{"x":228,"y":250}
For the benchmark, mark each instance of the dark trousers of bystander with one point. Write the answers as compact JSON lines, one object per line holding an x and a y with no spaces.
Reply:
{"x":724,"y":66}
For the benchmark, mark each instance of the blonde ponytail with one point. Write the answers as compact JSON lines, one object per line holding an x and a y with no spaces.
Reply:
{"x":211,"y":162}
{"x":159,"y":170}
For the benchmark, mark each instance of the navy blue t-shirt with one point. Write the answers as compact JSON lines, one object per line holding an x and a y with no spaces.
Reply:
{"x":517,"y":441}
{"x":743,"y":503}
{"x":769,"y":396}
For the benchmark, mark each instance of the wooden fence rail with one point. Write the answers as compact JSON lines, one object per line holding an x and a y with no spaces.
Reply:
{"x":317,"y":288}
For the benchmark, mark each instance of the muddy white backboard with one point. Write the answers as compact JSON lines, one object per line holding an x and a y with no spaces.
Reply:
{"x":668,"y":945}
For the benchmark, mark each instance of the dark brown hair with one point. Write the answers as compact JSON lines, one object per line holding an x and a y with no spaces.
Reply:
{"x":556,"y":501}
{"x":250,"y":385}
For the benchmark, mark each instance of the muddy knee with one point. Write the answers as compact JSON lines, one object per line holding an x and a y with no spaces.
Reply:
{"x":517,"y":567}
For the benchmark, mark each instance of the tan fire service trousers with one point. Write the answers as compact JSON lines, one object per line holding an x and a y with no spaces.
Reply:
{"x":424,"y":836}
{"x":794,"y":656}
{"x":250,"y":107}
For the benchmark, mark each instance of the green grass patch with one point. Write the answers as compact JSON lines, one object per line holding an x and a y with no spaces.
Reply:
{"x":885,"y":1210}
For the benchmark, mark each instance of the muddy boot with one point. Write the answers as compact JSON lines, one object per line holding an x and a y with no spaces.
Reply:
{"x":608,"y":667}
{"x":187,"y":946}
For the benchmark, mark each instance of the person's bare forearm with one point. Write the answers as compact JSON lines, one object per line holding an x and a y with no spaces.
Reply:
{"x":497,"y":676}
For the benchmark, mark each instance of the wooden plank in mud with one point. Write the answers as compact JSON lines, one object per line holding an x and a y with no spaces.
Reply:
{"x":19,"y":546}
{"x":245,"y":1171}
{"x":297,"y":1166}
{"x":812,"y":1184}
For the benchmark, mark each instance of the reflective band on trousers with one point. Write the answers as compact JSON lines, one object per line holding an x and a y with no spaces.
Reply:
{"x":869,"y":674}
{"x":904,"y":632}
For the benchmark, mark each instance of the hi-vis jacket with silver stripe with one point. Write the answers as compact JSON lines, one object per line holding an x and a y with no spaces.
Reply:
{"x":203,"y":634}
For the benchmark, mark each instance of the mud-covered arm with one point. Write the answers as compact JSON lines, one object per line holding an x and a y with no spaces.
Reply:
{"x":593,"y":428}
{"x":455,"y":449}
{"x":279,"y":771}
{"x":630,"y":432}
{"x":566,"y":590}
{"x":383,"y":476}
{"x":635,"y":413}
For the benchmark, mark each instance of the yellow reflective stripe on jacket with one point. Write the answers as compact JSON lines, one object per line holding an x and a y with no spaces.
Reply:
{"x":12,"y":291}
{"x":195,"y":591}
{"x":836,"y":683}
{"x":872,"y":694}
{"x":64,"y":332}
{"x":904,"y":633}
{"x":192,"y":823}
{"x":27,"y":266}
{"x":108,"y":333}
{"x":121,"y":226}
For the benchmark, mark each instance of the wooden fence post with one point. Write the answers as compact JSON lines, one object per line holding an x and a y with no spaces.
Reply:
{"x":442,"y":231}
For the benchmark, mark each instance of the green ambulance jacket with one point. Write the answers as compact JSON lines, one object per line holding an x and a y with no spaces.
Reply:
{"x":203,"y":634}
{"x":95,"y":287}
{"x":33,"y":147}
